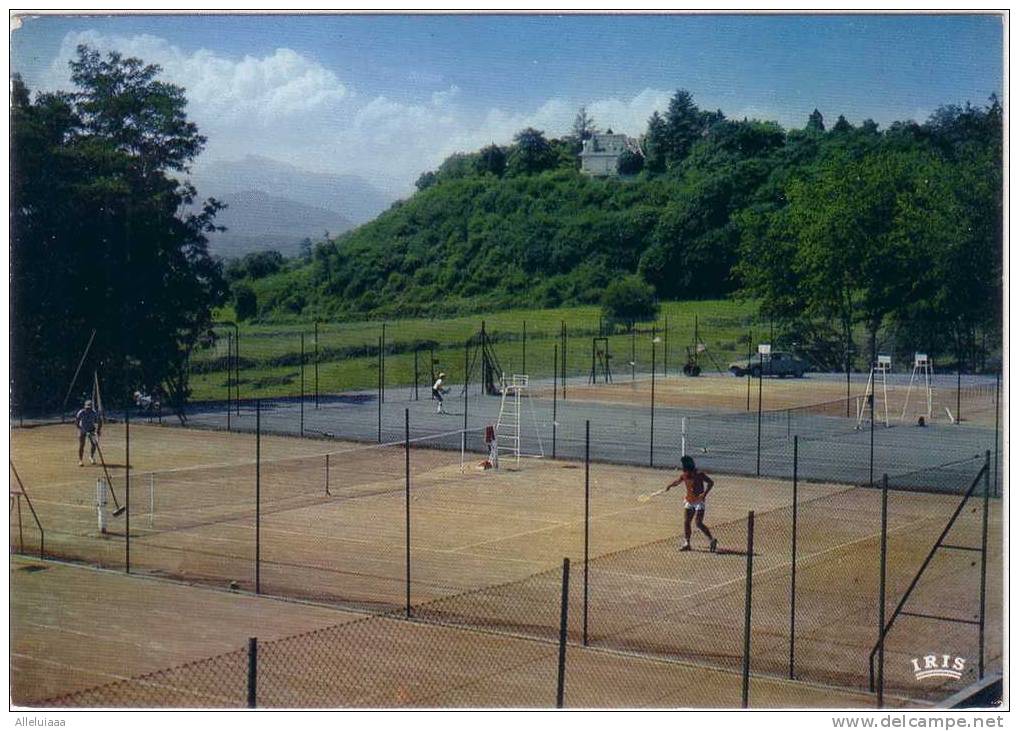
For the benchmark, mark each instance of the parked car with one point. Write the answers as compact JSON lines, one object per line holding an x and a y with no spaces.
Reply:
{"x":776,"y":364}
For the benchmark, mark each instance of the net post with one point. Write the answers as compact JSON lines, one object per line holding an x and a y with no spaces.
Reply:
{"x":127,"y":489}
{"x":252,"y":672}
{"x":745,"y":699}
{"x":258,"y":496}
{"x":881,"y":594}
{"x":555,"y":391}
{"x":760,"y":403}
{"x":406,"y":453}
{"x":587,"y":516}
{"x":792,"y":579}
{"x":563,"y":617}
{"x":302,"y":384}
{"x":651,"y":453}
{"x":983,"y":560}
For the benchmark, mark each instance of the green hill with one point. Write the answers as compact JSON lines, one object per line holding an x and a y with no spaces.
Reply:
{"x":847,"y":225}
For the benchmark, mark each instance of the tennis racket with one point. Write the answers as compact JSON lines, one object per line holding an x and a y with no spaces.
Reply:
{"x":647,"y":497}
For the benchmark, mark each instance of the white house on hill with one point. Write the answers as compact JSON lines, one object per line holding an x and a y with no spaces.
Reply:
{"x":601,"y":153}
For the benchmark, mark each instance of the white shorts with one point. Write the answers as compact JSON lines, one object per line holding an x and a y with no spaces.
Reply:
{"x":694,"y":506}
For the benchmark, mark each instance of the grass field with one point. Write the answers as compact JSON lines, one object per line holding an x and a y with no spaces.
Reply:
{"x":485,"y":551}
{"x":270,"y":355}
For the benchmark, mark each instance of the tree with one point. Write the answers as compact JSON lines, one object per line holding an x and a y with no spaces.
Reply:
{"x":842,"y":126}
{"x":656,"y":144}
{"x":630,"y":299}
{"x":98,"y":237}
{"x":245,"y":301}
{"x":532,"y":153}
{"x":683,"y":126}
{"x":583,"y":125}
{"x":426,"y":180}
{"x":492,"y":159}
{"x":629,"y":163}
{"x":815,"y":123}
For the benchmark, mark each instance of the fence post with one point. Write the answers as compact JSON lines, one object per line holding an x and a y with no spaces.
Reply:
{"x":379,"y":388}
{"x":302,"y":384}
{"x":229,"y":385}
{"x":258,"y":496}
{"x":467,"y":383}
{"x":563,"y":616}
{"x":958,"y":377}
{"x":750,"y":354}
{"x":665,"y":359}
{"x":633,"y":351}
{"x":327,"y":474}
{"x":745,"y":702}
{"x":127,"y":489}
{"x":252,"y":672}
{"x":555,"y":391}
{"x":316,"y":364}
{"x":881,"y":595}
{"x":997,"y":426}
{"x":983,"y":560}
{"x":416,"y":377}
{"x":237,"y":367}
{"x":792,"y":580}
{"x":564,"y":360}
{"x":406,"y":450}
{"x":651,"y":453}
{"x":382,"y":356}
{"x":587,"y":514}
{"x":523,"y":348}
{"x":760,"y":400}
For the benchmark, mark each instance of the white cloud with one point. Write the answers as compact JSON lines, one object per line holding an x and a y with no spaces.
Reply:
{"x":291,"y":108}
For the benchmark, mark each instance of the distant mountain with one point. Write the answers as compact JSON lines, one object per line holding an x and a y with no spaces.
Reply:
{"x":350,"y":195}
{"x":257,"y":221}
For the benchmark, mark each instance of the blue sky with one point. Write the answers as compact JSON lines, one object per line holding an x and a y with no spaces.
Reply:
{"x":326,"y":92}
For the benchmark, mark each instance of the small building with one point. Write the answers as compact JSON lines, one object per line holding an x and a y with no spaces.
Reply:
{"x":601,"y":153}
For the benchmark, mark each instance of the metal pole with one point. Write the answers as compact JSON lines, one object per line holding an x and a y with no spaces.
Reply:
{"x":467,"y":383}
{"x":229,"y":385}
{"x":760,"y":400}
{"x":523,"y":348}
{"x":633,"y":351}
{"x":587,"y":514}
{"x":252,"y":671}
{"x":665,"y":364}
{"x":127,"y":490}
{"x":382,"y":357}
{"x":746,"y":610}
{"x":258,"y":496}
{"x":555,"y":390}
{"x":327,"y":474}
{"x":983,"y":561}
{"x":750,"y":354}
{"x":416,"y":376}
{"x":564,"y":360}
{"x":563,"y":616}
{"x":406,"y":500}
{"x":849,"y":351}
{"x":379,"y":388}
{"x":316,"y":364}
{"x":237,"y":367}
{"x":302,"y":384}
{"x":873,"y":393}
{"x":997,"y":426}
{"x":958,"y":377}
{"x":792,"y":581}
{"x":651,"y":454}
{"x":881,"y":595}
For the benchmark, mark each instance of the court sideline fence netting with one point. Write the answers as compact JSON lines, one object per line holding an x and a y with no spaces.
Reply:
{"x":401,"y":528}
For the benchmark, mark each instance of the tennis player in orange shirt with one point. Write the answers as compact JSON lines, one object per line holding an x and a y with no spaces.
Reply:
{"x":698,"y":485}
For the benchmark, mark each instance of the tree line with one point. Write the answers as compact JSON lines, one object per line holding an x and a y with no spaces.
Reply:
{"x":829,"y":228}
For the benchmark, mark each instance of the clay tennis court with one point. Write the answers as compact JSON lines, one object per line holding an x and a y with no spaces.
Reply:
{"x":485,"y":549}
